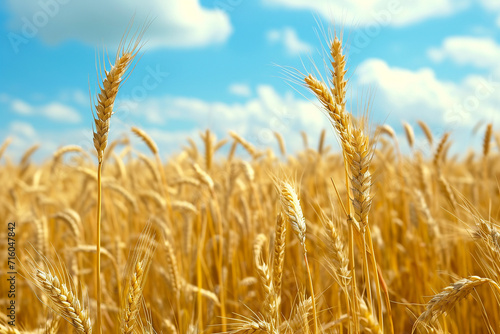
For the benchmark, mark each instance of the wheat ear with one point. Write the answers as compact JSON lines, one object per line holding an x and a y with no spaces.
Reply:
{"x":27,"y":155}
{"x":246,"y":145}
{"x":281,"y":142}
{"x":204,"y":178}
{"x":438,"y":155}
{"x":72,"y":218}
{"x":486,"y":148}
{"x":338,"y":256}
{"x":208,"y":139}
{"x":63,"y":300}
{"x":279,"y":254}
{"x":146,"y":139}
{"x":361,"y":181}
{"x":266,"y":278}
{"x":410,"y":134}
{"x":321,"y":143}
{"x":4,"y":146}
{"x":173,"y":271}
{"x":338,"y":117}
{"x":133,"y":299}
{"x":24,"y":164}
{"x":154,"y":149}
{"x":427,"y":132}
{"x":487,"y":139}
{"x":107,"y":95}
{"x":137,"y":269}
{"x":452,"y":294}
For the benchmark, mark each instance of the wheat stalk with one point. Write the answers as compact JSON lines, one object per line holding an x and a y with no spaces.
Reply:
{"x":103,"y":110}
{"x":291,"y":205}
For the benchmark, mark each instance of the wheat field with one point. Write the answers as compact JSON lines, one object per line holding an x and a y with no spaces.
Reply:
{"x":230,"y":238}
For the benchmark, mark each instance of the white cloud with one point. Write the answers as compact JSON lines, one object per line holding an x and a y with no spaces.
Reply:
{"x":477,"y":51}
{"x":289,"y":39}
{"x":240,"y":89}
{"x":21,"y":107}
{"x":54,"y":111}
{"x":176,"y":23}
{"x":60,"y":113}
{"x":412,"y":95}
{"x":402,"y":89}
{"x":374,"y":12}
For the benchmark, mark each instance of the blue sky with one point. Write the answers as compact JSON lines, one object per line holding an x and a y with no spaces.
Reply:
{"x":218,"y":64}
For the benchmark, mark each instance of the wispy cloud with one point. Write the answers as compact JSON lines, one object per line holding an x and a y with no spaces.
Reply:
{"x":21,"y":107}
{"x":240,"y":89}
{"x":380,"y":12}
{"x":55,"y":111}
{"x":288,"y":38}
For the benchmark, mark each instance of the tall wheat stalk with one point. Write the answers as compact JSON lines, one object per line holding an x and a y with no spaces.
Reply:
{"x":357,"y":152}
{"x":293,"y":211}
{"x":103,"y":110}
